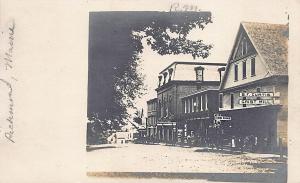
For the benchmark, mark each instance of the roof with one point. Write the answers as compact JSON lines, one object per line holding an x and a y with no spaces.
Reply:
{"x":200,"y":92}
{"x":271,"y":42}
{"x":188,"y":82}
{"x":151,"y":100}
{"x":192,"y":63}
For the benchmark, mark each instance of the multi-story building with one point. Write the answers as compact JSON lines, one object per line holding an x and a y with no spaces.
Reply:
{"x":175,"y":82}
{"x":198,"y":116}
{"x":151,"y":119}
{"x":254,"y":89}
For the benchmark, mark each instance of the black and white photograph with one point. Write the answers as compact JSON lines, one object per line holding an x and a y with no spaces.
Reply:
{"x":147,"y":91}
{"x":188,"y":94}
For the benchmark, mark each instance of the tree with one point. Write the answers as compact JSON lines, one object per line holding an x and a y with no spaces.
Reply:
{"x":116,"y":43}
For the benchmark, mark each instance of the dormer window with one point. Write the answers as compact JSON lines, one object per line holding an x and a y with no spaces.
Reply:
{"x":165,"y":77}
{"x":170,"y":73}
{"x":159,"y":80}
{"x":199,"y":73}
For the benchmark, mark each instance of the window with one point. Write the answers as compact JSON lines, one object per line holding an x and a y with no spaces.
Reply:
{"x":206,"y":107}
{"x":170,"y":73}
{"x":244,"y":47}
{"x":252,"y":66}
{"x":236,"y":72}
{"x":159,"y":108}
{"x":199,"y":73}
{"x":195,"y":104}
{"x":192,"y":105}
{"x":165,"y":77}
{"x":221,"y":100}
{"x":244,"y":69}
{"x":159,"y":80}
{"x":201,"y":103}
{"x":258,"y":89}
{"x":188,"y":106}
{"x":231,"y":100}
{"x":204,"y":102}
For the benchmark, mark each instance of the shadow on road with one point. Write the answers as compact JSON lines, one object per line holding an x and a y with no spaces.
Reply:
{"x":89,"y":149}
{"x":219,"y":151}
{"x":213,"y":177}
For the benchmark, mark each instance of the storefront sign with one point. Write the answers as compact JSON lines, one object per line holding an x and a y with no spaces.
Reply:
{"x":218,"y":117}
{"x":257,"y":101}
{"x":256,"y":94}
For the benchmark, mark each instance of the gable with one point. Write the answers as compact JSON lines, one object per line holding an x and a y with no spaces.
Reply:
{"x":267,"y":41}
{"x":243,"y":47}
{"x":271,"y":41}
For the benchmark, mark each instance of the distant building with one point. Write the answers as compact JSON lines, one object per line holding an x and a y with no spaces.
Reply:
{"x":254,"y":90}
{"x":151,"y":119}
{"x":120,"y":138}
{"x":175,"y":82}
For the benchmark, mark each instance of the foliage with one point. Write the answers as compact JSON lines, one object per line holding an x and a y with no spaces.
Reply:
{"x":166,"y":33}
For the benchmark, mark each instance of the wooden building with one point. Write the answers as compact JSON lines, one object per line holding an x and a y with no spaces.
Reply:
{"x":254,"y":89}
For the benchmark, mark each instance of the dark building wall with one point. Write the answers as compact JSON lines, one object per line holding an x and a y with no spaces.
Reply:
{"x":282,"y":116}
{"x":267,"y":121}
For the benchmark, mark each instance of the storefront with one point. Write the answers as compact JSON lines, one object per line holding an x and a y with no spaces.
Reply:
{"x":166,"y":132}
{"x":259,"y":122}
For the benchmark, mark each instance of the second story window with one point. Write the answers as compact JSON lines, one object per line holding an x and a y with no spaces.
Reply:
{"x":252,"y":66}
{"x":221,"y":100}
{"x":201,"y":103}
{"x":195,"y":105}
{"x":236,"y":69}
{"x":188,"y":106}
{"x":206,"y":102}
{"x":192,"y":106}
{"x":244,"y":69}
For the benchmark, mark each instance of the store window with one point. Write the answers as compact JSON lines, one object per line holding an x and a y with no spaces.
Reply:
{"x":221,"y":100}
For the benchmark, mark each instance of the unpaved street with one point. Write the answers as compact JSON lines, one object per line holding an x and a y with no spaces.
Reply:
{"x":190,"y":162}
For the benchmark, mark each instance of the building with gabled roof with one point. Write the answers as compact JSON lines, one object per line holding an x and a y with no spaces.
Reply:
{"x":254,"y":88}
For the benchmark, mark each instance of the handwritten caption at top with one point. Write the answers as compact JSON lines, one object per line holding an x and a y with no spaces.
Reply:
{"x":177,"y":7}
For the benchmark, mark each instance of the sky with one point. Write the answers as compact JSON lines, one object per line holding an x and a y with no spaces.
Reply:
{"x":221,"y":33}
